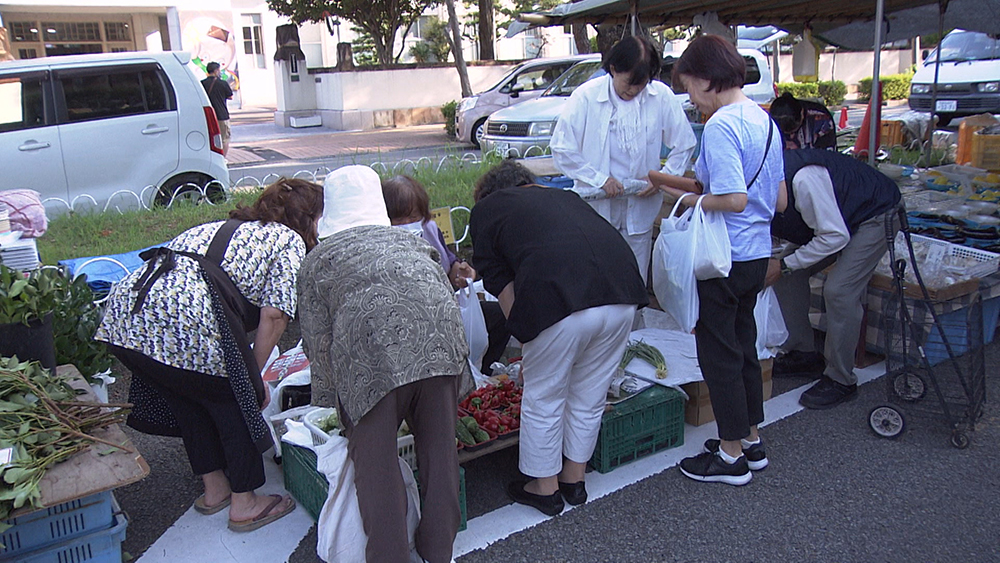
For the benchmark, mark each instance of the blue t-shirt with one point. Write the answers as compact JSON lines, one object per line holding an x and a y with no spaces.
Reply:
{"x":733,"y":145}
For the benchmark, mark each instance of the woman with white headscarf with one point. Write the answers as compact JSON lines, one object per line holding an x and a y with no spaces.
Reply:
{"x":385,"y":339}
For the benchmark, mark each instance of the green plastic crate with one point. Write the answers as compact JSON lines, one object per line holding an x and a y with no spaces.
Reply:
{"x":302,"y":479}
{"x":310,"y":488}
{"x":650,"y":422}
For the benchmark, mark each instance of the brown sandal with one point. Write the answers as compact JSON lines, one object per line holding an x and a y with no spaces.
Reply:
{"x":264,"y":517}
{"x":202,"y":508}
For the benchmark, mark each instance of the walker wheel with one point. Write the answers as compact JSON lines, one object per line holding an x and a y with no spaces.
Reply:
{"x":960,"y":440}
{"x":886,"y":422}
{"x":909,"y":387}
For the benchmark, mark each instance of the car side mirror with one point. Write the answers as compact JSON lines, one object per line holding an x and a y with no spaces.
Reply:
{"x":516,"y":90}
{"x":924,"y":54}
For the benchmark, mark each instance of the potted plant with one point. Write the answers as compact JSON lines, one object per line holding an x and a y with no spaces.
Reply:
{"x":27,"y":302}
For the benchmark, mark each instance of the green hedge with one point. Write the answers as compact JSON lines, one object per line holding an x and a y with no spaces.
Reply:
{"x":448,"y":110}
{"x":832,"y":92}
{"x":799,"y":89}
{"x":894,"y":87}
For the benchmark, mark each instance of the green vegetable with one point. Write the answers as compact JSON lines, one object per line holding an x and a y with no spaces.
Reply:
{"x":470,"y":423}
{"x":44,"y":424}
{"x":463,"y":434}
{"x":328,"y":423}
{"x":648,"y":354}
{"x":481,"y":436}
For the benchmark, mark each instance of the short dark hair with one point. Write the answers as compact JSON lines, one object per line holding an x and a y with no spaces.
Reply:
{"x":712,"y":58}
{"x":786,"y":111}
{"x":211,"y":67}
{"x":403,"y":195}
{"x":293,"y":202}
{"x":507,"y":174}
{"x":637,"y":55}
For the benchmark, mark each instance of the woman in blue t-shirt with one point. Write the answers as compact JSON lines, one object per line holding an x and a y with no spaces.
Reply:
{"x":743,"y":185}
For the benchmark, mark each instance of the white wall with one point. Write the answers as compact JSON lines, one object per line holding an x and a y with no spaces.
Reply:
{"x":399,"y":89}
{"x":852,"y":67}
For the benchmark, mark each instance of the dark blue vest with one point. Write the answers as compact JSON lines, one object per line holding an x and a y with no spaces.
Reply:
{"x":862,"y":192}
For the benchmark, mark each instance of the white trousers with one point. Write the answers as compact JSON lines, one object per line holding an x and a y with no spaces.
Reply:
{"x":567,"y":370}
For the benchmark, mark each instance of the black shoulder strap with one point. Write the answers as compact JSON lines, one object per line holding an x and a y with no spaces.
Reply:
{"x":767,"y":149}
{"x":217,"y":249}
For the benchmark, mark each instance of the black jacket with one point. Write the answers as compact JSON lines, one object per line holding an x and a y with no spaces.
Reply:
{"x":560,"y":254}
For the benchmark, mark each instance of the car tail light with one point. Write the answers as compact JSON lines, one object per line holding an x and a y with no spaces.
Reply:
{"x":214,"y":132}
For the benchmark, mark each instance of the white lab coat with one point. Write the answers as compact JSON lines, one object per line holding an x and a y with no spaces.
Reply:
{"x":580,"y":143}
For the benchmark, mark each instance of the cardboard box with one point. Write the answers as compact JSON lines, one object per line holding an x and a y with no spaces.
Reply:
{"x":698,"y":408}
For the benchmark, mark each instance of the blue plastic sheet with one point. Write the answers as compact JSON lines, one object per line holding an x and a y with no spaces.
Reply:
{"x":101,"y":271}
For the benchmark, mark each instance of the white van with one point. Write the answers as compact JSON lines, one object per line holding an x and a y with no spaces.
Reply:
{"x":968,"y":77}
{"x":524,"y":82}
{"x":95,"y":125}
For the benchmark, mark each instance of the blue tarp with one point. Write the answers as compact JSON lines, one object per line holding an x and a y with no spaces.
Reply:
{"x":102,"y":273}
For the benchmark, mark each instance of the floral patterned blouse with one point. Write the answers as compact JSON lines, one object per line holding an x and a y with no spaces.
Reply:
{"x":175,"y":325}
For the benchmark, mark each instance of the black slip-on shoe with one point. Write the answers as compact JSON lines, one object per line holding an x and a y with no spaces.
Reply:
{"x":755,"y":454}
{"x":550,"y":505}
{"x":827,"y":393}
{"x":573,"y":493}
{"x":799,"y":364}
{"x":710,"y":468}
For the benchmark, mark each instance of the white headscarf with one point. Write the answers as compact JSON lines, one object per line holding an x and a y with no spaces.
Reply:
{"x":352,"y":197}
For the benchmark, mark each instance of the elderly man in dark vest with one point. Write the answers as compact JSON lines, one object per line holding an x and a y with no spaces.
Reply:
{"x":838,"y":210}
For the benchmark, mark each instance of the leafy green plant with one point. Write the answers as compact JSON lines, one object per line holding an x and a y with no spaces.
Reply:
{"x":799,"y":89}
{"x":448,"y":110}
{"x":25,"y":298}
{"x":832,"y":92}
{"x":74,"y":322}
{"x":894,"y":87}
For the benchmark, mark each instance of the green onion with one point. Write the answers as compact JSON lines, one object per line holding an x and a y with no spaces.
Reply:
{"x":648,"y":354}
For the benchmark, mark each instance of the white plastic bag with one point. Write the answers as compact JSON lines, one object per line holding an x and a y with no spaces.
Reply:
{"x":475,"y":327}
{"x":674,"y":282}
{"x":714,"y":257}
{"x":340,"y":533}
{"x":771,"y":329}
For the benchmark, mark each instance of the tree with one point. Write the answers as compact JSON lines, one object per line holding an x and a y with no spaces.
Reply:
{"x":580,"y":38}
{"x":486,"y":30}
{"x":381,"y":19}
{"x":434,"y":45}
{"x":456,"y":48}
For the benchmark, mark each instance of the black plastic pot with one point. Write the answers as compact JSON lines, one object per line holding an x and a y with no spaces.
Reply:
{"x":31,"y":342}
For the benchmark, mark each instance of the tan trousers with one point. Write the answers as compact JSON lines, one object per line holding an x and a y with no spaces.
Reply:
{"x":429,"y":407}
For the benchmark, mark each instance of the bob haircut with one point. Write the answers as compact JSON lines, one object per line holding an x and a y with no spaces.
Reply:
{"x":295,"y":203}
{"x":507,"y":174}
{"x":636,"y":55}
{"x":712,"y":58}
{"x":786,"y":111}
{"x":403,"y":195}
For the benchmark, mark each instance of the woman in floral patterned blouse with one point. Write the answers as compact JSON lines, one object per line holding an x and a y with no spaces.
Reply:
{"x":180,"y":325}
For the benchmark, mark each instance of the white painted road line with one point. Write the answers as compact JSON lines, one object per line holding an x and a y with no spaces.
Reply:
{"x":195,"y":538}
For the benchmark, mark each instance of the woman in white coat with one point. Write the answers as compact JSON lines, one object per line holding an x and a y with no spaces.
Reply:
{"x":612,"y":130}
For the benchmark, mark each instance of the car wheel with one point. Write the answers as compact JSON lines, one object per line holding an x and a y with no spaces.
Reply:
{"x":478,"y":130}
{"x":944,"y":119}
{"x":189,"y":187}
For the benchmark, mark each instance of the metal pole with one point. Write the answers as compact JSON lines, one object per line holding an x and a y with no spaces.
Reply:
{"x":876,"y":121}
{"x":927,"y":150}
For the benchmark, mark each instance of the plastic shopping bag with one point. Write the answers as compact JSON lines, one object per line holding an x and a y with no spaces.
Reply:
{"x":341,"y":535}
{"x":714,"y":257}
{"x":475,"y":328}
{"x":771,"y":329}
{"x":674,"y":282}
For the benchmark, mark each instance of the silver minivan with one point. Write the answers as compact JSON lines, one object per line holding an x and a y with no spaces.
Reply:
{"x":84,"y":128}
{"x":524,"y":82}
